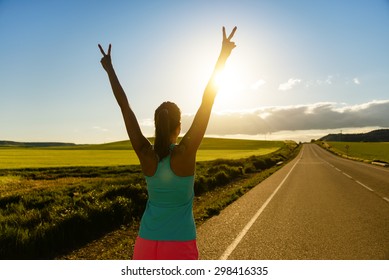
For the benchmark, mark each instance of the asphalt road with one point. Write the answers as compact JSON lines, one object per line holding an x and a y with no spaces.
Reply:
{"x":318,"y":206}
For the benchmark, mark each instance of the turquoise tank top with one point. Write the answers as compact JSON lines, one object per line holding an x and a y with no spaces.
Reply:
{"x":168,"y":215}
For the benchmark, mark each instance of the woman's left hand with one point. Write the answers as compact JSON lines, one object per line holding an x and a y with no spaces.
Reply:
{"x":227,"y":45}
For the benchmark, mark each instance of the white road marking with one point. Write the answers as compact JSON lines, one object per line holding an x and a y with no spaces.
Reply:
{"x":347,"y":175}
{"x":240,"y":236}
{"x":366,"y":187}
{"x":363,"y":185}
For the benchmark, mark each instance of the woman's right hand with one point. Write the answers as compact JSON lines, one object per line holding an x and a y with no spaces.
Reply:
{"x":106,"y":60}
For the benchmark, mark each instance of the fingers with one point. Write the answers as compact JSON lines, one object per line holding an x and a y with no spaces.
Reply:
{"x":102,"y":51}
{"x":232,"y":33}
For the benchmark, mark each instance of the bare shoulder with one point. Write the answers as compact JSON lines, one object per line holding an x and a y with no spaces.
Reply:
{"x":182,"y":161}
{"x":148,"y":161}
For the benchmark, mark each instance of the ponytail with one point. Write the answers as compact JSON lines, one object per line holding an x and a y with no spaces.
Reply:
{"x":162,"y":134}
{"x":167,"y":118}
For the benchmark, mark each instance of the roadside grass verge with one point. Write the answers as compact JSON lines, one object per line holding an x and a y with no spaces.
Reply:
{"x":361,"y":151}
{"x":47,"y":212}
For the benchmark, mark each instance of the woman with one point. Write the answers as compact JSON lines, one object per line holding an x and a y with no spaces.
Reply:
{"x":167,"y":229}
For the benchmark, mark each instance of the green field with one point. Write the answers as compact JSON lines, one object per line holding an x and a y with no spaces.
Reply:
{"x":121,"y":153}
{"x":48,"y":211}
{"x":369,"y":151}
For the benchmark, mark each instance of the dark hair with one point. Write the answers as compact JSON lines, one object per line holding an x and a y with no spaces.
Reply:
{"x":167,"y":118}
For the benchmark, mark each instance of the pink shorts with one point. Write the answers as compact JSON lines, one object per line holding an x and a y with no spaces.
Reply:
{"x":165,"y":250}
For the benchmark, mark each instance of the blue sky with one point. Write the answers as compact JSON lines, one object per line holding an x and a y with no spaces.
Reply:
{"x":301,"y":69}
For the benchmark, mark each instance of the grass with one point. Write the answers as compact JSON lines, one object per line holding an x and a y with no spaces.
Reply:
{"x":35,"y":158}
{"x":367,"y":151}
{"x":121,"y":153}
{"x":118,"y":244}
{"x":45,"y":212}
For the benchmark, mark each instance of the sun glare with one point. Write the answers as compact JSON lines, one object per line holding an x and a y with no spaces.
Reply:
{"x":230,"y":85}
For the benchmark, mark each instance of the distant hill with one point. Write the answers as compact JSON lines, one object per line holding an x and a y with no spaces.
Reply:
{"x":380,"y":135}
{"x":4,"y":143}
{"x":207,"y":144}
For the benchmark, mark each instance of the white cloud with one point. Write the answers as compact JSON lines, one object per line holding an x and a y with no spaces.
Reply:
{"x":318,"y":116}
{"x":361,"y":107}
{"x":329,"y":79}
{"x":289,"y":84}
{"x":147,"y":122}
{"x":258,"y":84}
{"x":100,"y":129}
{"x":356,"y":81}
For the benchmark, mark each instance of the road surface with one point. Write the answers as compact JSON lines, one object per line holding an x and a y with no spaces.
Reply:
{"x":318,"y":206}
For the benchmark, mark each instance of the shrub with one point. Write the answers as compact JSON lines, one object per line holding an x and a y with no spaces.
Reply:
{"x":221,"y":178}
{"x":259,"y":164}
{"x":250,"y":169}
{"x":200,"y":185}
{"x":40,"y":225}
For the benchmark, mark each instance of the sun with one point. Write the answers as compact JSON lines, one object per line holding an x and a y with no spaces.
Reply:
{"x":229,"y":85}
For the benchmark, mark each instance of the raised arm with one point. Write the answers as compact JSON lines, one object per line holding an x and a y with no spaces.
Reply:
{"x":192,"y":139}
{"x":138,"y":141}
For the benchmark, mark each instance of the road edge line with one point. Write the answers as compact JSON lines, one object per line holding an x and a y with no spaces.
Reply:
{"x":247,"y":227}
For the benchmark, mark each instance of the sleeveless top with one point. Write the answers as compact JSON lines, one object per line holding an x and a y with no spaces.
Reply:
{"x":168,"y":215}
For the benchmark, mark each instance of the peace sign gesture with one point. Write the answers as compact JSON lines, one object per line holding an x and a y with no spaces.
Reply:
{"x":106,"y":60}
{"x":227,"y":45}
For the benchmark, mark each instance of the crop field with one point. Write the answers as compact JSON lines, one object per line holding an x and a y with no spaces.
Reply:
{"x":121,"y":153}
{"x":48,"y":210}
{"x":363,"y":150}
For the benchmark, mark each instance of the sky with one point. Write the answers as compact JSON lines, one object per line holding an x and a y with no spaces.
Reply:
{"x":301,"y":69}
